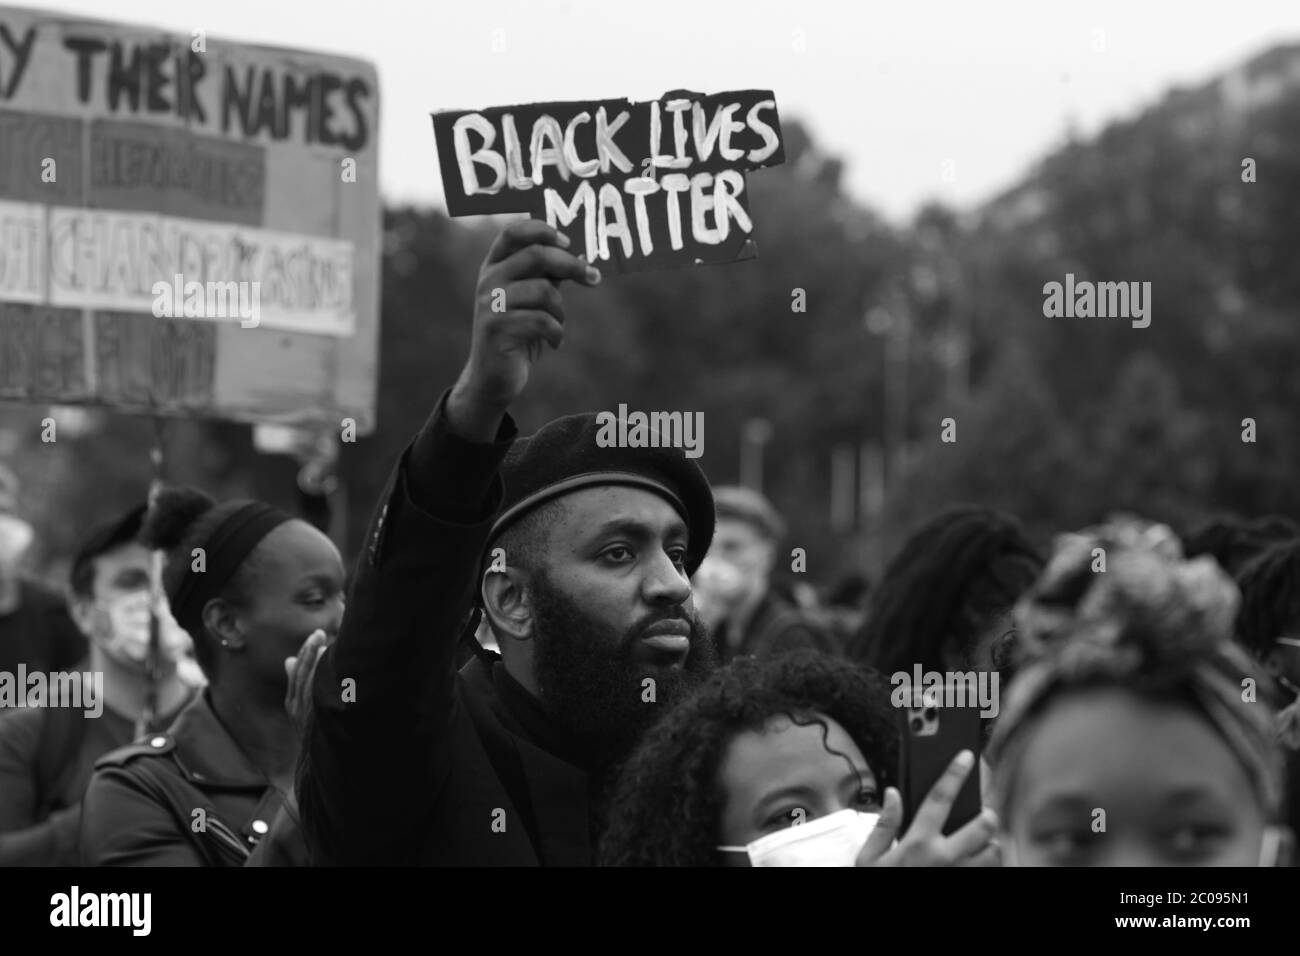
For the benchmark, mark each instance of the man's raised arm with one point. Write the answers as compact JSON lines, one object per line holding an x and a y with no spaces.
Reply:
{"x":376,"y":751}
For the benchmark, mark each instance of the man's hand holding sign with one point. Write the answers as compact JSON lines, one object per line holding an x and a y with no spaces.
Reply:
{"x":633,"y":186}
{"x":527,"y":263}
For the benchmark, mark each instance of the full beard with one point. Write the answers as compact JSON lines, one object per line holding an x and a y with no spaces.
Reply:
{"x":590,"y":682}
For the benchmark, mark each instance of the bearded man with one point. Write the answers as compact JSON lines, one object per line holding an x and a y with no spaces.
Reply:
{"x":579,"y":556}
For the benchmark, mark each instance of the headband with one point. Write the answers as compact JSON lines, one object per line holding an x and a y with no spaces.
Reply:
{"x":224,"y":551}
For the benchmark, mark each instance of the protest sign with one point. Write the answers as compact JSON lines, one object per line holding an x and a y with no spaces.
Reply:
{"x":634,"y":186}
{"x":188,"y":226}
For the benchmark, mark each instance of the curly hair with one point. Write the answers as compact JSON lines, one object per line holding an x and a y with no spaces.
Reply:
{"x":666,"y":805}
{"x":950,"y":580}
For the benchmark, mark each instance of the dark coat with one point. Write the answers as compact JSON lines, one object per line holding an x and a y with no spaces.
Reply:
{"x":47,"y":757}
{"x":140,"y":807}
{"x":776,"y":627}
{"x":425,"y":765}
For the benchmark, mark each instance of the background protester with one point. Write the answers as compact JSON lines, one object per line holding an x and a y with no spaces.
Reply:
{"x":1127,"y":738}
{"x":35,"y":629}
{"x":580,"y":557}
{"x":850,"y":594}
{"x":734,"y":589}
{"x":945,"y":599}
{"x":248,"y":582}
{"x":1268,"y":623}
{"x":1234,"y":542}
{"x":1268,"y":626}
{"x":47,"y":754}
{"x":765,"y":745}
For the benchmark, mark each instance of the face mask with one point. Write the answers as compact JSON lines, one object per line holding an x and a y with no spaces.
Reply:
{"x":721,"y":578}
{"x":832,"y":840}
{"x":125,"y":629}
{"x":15,"y":538}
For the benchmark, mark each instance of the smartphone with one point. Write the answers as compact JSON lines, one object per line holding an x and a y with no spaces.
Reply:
{"x":932,"y":735}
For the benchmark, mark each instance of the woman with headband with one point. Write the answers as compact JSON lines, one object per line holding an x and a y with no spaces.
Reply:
{"x":1133,"y":735}
{"x":249,"y":583}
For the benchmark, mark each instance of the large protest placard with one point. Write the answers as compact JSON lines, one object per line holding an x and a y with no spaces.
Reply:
{"x":188,"y":226}
{"x":634,"y":186}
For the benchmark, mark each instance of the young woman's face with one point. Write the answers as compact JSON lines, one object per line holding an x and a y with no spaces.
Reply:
{"x":1110,"y":779}
{"x":298,"y":588}
{"x":786,"y":774}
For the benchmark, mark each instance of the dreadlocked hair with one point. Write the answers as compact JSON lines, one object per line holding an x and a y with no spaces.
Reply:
{"x":950,"y":580}
{"x":1270,"y":597}
{"x":1234,"y":542}
{"x":667,"y":801}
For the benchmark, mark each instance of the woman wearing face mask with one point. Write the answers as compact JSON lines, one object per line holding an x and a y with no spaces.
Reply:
{"x":249,"y":583}
{"x":783,"y":762}
{"x":1125,"y":739}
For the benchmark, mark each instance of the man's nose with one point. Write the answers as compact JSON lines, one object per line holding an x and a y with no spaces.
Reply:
{"x":665,"y":582}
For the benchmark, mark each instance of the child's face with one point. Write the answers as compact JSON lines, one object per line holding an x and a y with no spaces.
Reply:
{"x":787,"y":774}
{"x":1110,"y":779}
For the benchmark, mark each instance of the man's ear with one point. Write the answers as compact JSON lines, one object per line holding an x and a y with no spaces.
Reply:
{"x":222,"y":621}
{"x":507,"y":602}
{"x":82,"y":611}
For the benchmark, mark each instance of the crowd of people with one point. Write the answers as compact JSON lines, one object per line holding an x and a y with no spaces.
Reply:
{"x":551,"y":652}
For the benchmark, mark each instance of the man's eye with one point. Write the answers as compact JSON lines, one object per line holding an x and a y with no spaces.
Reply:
{"x":614,"y":553}
{"x":678,"y":555}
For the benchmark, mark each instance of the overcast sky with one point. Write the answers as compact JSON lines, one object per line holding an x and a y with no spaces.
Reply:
{"x":894,"y":88}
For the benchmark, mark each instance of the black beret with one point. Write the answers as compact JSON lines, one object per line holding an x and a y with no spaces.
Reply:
{"x":564,"y":457}
{"x":105,"y":537}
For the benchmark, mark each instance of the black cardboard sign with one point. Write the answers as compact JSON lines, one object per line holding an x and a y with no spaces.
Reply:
{"x":635,"y":186}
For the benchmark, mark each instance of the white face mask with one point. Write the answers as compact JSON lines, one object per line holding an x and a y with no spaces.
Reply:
{"x":720,"y":578}
{"x":125,"y":629}
{"x":832,"y":840}
{"x":15,"y":538}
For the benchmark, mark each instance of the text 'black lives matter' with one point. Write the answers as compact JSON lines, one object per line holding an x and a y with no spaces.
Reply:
{"x":634,"y":186}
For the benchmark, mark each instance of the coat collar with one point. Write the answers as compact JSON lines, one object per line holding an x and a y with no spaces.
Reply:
{"x":206,"y":753}
{"x":558,"y":784}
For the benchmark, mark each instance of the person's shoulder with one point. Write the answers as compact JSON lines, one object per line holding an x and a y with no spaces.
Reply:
{"x":49,"y":602}
{"x":20,"y":726}
{"x":156,"y":745}
{"x":789,"y":626}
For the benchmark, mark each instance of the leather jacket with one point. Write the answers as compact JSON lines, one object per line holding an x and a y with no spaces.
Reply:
{"x":187,"y":797}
